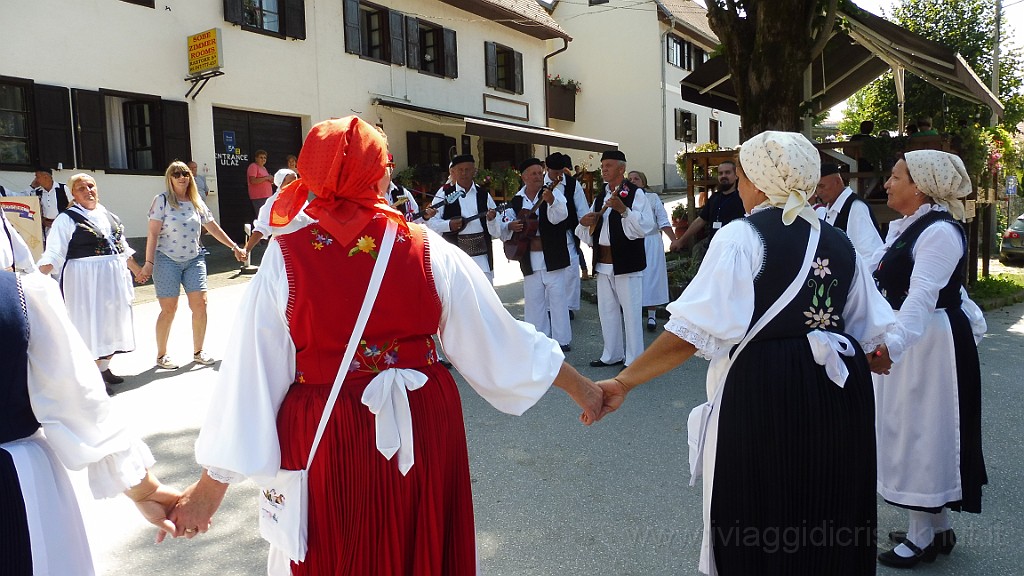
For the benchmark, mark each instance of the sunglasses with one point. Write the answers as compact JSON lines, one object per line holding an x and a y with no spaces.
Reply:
{"x":181,"y":174}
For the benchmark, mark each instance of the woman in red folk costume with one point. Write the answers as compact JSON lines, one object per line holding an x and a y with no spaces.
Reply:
{"x":369,"y":513}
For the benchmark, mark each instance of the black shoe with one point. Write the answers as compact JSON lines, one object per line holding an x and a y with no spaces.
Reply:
{"x":110,"y":378}
{"x":894,"y":560}
{"x":652,"y":325}
{"x":599,"y":364}
{"x":944,"y":541}
{"x":110,"y":391}
{"x":566,"y":347}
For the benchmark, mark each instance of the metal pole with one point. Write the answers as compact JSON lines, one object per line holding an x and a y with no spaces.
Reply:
{"x":995,"y":60}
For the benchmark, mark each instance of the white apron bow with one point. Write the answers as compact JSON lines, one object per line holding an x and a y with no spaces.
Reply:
{"x":826,"y":348}
{"x":387,"y":397}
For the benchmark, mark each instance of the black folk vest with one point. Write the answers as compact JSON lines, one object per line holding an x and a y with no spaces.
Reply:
{"x":454,"y":210}
{"x":627,"y":255}
{"x":893,"y":273}
{"x":16,"y":417}
{"x":843,"y":218}
{"x":552,"y":238}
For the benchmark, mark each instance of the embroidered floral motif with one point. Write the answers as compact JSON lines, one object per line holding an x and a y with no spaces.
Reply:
{"x":377,"y":357}
{"x":320,"y":239}
{"x":365,"y":244}
{"x":821,"y":312}
{"x":821,"y":318}
{"x":820,"y":267}
{"x":299,"y":377}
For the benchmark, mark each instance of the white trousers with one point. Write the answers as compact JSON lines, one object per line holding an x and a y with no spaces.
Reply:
{"x":618,"y":303}
{"x":545,"y":291}
{"x":573,"y":279}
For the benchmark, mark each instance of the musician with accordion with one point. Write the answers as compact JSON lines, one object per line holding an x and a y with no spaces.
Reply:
{"x":533,"y":229}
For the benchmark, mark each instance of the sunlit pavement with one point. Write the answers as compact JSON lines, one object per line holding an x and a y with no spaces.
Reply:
{"x":551,"y":497}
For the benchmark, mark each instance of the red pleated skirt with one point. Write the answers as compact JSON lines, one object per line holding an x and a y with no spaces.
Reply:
{"x":365,"y":517}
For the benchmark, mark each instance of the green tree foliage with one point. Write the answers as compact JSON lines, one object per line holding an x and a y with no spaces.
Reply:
{"x":967,"y":26}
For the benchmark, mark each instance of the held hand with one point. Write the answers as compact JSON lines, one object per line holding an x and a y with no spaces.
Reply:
{"x":516,"y":225}
{"x":879,"y":360}
{"x":144,"y":273}
{"x":239,"y":253}
{"x":589,"y":219}
{"x":455,"y":224}
{"x":157,"y":507}
{"x":678,"y":244}
{"x":194,"y":511}
{"x":588,"y":397}
{"x":614,"y":396}
{"x":429,"y":213}
{"x":491,"y":215}
{"x":548,"y":195}
{"x":615,"y":203}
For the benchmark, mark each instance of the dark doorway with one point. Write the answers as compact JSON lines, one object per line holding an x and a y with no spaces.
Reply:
{"x":503,"y":155}
{"x":237,"y":135}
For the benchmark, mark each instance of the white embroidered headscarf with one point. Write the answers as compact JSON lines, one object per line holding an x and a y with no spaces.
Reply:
{"x":786,"y":167}
{"x":942,"y":177}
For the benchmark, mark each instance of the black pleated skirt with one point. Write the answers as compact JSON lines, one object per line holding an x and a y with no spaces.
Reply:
{"x":794,"y":486}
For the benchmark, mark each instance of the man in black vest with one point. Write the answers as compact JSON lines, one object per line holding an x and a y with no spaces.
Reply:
{"x":576,"y":202}
{"x":538,"y":217}
{"x":615,"y":228}
{"x":846,"y":211}
{"x":462,"y":221}
{"x":53,"y":196}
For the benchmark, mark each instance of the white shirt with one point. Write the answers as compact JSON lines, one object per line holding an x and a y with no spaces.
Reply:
{"x":936,"y":254}
{"x":636,"y":222}
{"x":557,"y":212}
{"x":69,"y":400}
{"x":239,"y":438}
{"x":48,"y":198}
{"x":21,"y":259}
{"x":859,"y":227}
{"x":64,"y":227}
{"x":468,"y":205}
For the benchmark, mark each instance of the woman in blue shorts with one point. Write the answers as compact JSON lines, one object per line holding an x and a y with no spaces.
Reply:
{"x":175,"y":258}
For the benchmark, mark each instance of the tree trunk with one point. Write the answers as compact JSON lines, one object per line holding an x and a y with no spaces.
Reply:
{"x":768,"y":50}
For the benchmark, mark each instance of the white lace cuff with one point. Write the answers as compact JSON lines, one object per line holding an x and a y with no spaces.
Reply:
{"x":706,"y":344}
{"x":224,"y":476}
{"x":119,"y":471}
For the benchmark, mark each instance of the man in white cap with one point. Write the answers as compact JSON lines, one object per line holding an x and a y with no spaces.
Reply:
{"x":462,"y":222}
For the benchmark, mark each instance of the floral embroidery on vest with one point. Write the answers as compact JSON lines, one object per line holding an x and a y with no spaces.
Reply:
{"x":320,"y":239}
{"x":365,"y":244}
{"x":820,"y":314}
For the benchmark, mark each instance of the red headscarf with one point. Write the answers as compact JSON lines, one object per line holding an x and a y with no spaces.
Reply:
{"x":341,"y":163}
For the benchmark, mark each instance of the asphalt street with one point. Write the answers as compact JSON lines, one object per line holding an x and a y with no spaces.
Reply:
{"x":551,"y":497}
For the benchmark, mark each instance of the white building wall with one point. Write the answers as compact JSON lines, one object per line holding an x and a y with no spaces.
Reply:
{"x":121,"y":46}
{"x":614,"y":55}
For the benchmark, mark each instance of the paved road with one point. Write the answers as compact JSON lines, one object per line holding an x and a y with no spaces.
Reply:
{"x":551,"y":497}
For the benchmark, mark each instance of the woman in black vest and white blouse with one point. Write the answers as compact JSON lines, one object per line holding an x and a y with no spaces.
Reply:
{"x":87,"y":243}
{"x":928,"y":407}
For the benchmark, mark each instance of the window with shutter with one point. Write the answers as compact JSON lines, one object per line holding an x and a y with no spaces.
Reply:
{"x":53,"y":125}
{"x":674,"y":46}
{"x":504,"y":68}
{"x":412,"y":42}
{"x":233,"y":11}
{"x":353,"y":27}
{"x":295,"y":19}
{"x":396,"y":36}
{"x":90,"y":129}
{"x":16,"y":134}
{"x":177,"y":142}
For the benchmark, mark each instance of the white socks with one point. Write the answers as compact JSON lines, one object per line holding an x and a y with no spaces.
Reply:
{"x":103,"y":363}
{"x":922,"y":530}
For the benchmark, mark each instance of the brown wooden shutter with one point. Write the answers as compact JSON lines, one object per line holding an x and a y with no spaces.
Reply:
{"x":53,"y":125}
{"x":233,"y":11}
{"x":295,"y":19}
{"x":352,"y":27}
{"x":177,"y":142}
{"x":90,"y":129}
{"x":518,"y":72}
{"x":451,"y":54}
{"x":396,"y":33}
{"x":412,"y":147}
{"x":491,"y":63}
{"x":412,"y":42}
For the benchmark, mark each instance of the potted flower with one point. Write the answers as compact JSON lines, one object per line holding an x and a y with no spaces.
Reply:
{"x":679,"y":220}
{"x":562,"y":97}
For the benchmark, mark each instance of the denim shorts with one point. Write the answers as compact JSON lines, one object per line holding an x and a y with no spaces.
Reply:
{"x":169,"y":275}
